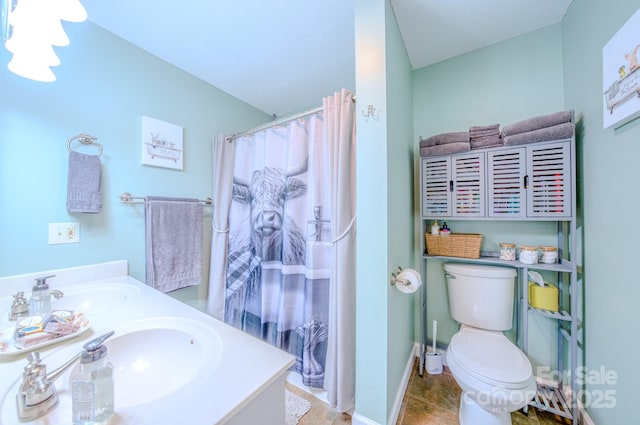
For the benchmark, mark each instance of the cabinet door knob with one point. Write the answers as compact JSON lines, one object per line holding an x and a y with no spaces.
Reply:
{"x":526,"y":181}
{"x":450,"y":185}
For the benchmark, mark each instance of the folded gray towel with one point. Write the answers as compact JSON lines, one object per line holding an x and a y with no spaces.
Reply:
{"x":556,"y":132}
{"x":535,"y":123}
{"x":444,"y":138}
{"x":483,"y":139}
{"x":491,"y":129}
{"x":84,"y":193}
{"x":173,"y":239}
{"x":489,"y":142}
{"x":445,"y":149}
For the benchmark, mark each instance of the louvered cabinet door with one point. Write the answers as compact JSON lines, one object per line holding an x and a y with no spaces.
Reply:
{"x":506,"y":174}
{"x":549,"y":180}
{"x":469,"y":193}
{"x":436,"y":194}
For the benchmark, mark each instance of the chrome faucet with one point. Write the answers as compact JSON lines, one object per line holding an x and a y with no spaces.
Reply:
{"x":37,"y":395}
{"x":56,"y":294}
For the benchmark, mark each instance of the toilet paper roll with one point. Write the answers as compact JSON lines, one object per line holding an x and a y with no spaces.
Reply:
{"x":408,"y":281}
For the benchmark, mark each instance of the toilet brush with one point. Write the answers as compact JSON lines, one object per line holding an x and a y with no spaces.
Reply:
{"x":434,"y":360}
{"x":435,"y":333}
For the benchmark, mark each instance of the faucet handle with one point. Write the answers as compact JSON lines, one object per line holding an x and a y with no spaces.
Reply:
{"x":19,"y":306}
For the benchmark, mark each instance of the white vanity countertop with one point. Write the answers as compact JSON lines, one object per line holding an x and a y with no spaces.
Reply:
{"x":247,"y":365}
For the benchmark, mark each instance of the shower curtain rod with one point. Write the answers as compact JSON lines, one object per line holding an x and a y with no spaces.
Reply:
{"x":278,"y":122}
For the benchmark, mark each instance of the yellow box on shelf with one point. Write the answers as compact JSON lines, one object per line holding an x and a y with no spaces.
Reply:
{"x":543,"y":297}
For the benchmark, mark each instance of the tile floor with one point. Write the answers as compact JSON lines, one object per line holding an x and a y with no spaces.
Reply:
{"x":430,"y":400}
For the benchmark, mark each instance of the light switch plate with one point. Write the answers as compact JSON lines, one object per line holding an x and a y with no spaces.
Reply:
{"x":64,"y":233}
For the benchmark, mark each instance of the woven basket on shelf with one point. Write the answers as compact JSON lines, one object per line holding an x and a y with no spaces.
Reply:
{"x":465,"y":245}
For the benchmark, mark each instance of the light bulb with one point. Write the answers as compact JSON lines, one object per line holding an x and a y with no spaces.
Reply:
{"x":70,"y":10}
{"x":27,"y":68}
{"x":38,"y":51}
{"x":40,"y":19}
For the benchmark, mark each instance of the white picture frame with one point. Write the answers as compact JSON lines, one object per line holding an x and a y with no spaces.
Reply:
{"x":162,"y":144}
{"x":621,"y":75}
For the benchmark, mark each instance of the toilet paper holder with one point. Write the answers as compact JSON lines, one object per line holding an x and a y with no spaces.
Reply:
{"x":395,"y":280}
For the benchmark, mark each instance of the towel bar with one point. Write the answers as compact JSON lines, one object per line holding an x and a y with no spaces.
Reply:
{"x":127,"y":198}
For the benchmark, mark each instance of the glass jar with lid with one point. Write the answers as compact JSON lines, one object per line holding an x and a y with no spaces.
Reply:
{"x":508,"y":251}
{"x":528,"y":254}
{"x":548,"y":254}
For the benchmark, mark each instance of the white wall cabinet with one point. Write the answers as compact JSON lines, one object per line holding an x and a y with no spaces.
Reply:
{"x":454,"y":186}
{"x":531,"y":181}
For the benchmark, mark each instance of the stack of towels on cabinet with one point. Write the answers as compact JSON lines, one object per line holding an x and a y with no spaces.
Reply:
{"x":485,"y":137}
{"x":543,"y":128}
{"x":445,"y":144}
{"x":555,"y":126}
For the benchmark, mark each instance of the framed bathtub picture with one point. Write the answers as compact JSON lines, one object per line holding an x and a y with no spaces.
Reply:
{"x":162,"y":144}
{"x":621,"y":75}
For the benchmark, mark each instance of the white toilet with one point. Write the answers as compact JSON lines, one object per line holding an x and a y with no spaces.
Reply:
{"x":495,"y":376}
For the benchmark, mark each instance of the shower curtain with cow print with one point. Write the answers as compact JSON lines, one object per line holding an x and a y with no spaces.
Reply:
{"x":279,"y":250}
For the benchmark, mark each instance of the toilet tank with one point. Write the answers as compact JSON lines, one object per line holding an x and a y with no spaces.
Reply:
{"x":481,"y":296}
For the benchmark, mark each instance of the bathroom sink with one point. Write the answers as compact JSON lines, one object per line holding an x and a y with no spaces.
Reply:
{"x":154,"y":358}
{"x":154,"y":361}
{"x":94,"y":299}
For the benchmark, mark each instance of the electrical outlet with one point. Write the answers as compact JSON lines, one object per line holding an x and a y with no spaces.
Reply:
{"x":64,"y":233}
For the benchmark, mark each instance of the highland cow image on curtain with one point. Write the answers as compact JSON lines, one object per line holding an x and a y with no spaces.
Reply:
{"x":278,"y":265}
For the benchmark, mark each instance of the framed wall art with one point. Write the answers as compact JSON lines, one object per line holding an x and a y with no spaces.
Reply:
{"x":621,"y":75}
{"x":162,"y":144}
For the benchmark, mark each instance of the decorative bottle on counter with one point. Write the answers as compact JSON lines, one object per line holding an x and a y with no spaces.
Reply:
{"x":92,"y":390}
{"x":40,"y":301}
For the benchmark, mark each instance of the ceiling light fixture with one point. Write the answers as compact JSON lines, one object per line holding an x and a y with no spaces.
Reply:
{"x":35,"y":28}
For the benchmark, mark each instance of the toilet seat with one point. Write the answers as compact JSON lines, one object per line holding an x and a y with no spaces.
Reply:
{"x":490,"y":357}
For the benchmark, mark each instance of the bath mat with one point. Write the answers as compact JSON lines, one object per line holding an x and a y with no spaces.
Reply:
{"x":295,"y":407}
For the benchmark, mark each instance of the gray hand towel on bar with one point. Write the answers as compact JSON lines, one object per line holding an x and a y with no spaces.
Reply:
{"x":84,"y":192}
{"x":556,"y":132}
{"x":173,"y":238}
{"x":536,"y":123}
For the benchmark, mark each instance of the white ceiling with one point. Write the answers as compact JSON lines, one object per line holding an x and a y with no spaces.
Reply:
{"x":285,"y":55}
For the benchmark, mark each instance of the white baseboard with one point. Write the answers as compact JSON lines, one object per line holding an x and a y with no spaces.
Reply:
{"x":358,"y":419}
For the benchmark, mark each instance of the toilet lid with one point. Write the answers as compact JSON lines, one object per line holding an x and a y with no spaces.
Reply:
{"x":490,"y":357}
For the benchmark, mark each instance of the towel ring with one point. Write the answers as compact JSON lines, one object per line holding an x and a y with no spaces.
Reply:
{"x":85,"y":139}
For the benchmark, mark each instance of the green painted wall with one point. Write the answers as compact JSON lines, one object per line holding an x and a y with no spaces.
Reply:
{"x":372,"y":316}
{"x":608,"y":198}
{"x":500,"y":84}
{"x":400,"y":207}
{"x":104,"y":85}
{"x":385,"y":331}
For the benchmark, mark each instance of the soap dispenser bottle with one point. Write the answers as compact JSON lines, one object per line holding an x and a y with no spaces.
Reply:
{"x":435,"y":228}
{"x":40,"y":301}
{"x":92,"y":390}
